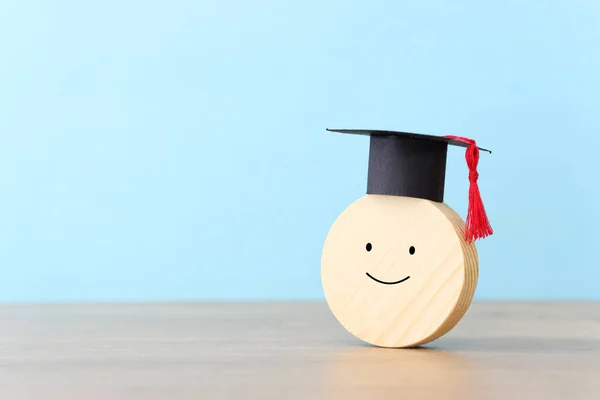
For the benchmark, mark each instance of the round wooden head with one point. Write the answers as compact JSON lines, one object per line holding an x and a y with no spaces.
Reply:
{"x":397,"y":271}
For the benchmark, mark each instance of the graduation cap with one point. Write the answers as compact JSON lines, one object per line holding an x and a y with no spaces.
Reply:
{"x":414,"y":165}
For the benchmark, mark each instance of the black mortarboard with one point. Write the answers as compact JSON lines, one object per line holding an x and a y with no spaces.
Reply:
{"x":414,"y":165}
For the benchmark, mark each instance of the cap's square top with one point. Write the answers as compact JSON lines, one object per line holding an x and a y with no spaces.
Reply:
{"x":375,"y":132}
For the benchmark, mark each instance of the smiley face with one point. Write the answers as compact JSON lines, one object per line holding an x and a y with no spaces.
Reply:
{"x":396,"y":271}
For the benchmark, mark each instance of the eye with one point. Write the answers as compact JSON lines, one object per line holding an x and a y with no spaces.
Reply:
{"x":369,"y":247}
{"x":411,"y":250}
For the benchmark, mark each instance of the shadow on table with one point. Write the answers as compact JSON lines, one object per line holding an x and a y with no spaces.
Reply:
{"x":517,"y":345}
{"x":362,"y":372}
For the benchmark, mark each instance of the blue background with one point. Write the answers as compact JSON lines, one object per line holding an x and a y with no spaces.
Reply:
{"x":177,"y":149}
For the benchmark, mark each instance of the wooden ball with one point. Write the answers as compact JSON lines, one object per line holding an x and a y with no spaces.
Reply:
{"x":397,"y":271}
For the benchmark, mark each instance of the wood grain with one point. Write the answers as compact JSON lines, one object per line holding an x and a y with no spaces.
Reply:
{"x":291,"y":351}
{"x":441,"y":273}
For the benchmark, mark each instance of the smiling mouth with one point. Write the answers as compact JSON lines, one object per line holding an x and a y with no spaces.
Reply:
{"x":387,"y":283}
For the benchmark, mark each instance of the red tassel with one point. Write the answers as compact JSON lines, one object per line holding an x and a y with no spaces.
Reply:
{"x":478,"y":226}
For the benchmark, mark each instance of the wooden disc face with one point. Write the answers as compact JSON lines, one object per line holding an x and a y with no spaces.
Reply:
{"x":396,"y":271}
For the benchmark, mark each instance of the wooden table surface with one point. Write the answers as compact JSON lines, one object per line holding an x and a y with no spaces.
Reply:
{"x":290,"y":351}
